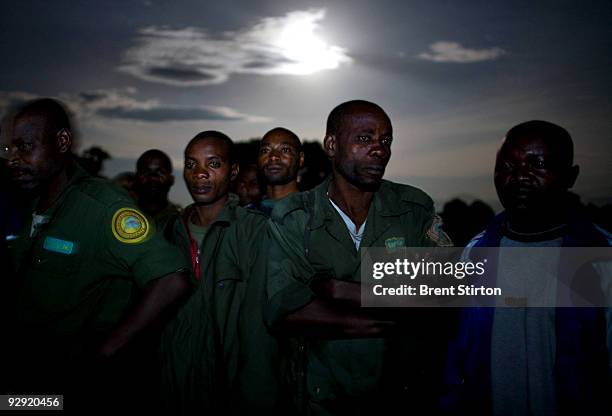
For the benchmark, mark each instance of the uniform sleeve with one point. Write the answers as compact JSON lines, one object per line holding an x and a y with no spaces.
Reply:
{"x":135,"y":248}
{"x":289,"y":273}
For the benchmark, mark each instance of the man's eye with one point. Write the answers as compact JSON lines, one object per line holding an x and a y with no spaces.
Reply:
{"x":539,"y":164}
{"x":24,"y":147}
{"x":189,"y":165}
{"x":363,"y":139}
{"x":286,"y":150}
{"x":263,"y":150}
{"x":386,"y":141}
{"x":215,"y":164}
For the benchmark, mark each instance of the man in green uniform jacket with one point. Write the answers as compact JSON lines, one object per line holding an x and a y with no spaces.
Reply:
{"x":91,"y":274}
{"x":279,"y":161}
{"x":217,"y":354}
{"x":345,"y":359}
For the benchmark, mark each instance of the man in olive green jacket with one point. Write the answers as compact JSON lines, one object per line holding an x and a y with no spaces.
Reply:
{"x":217,"y":354}
{"x":91,"y":275}
{"x":346,"y":359}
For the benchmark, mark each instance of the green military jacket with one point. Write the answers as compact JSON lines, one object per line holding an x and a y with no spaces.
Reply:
{"x":78,"y":272}
{"x":162,"y":217}
{"x":217,"y":353}
{"x":309,"y":238}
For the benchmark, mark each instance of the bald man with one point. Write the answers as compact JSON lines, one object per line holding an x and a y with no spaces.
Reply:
{"x":279,"y":161}
{"x":91,"y":274}
{"x":247,"y":186}
{"x":218,"y":355}
{"x":152,"y":184}
{"x":345,"y":360}
{"x":535,"y":360}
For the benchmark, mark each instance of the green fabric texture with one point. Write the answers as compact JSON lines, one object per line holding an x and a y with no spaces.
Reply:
{"x":162,"y":217}
{"x":309,"y":239}
{"x":217,"y":354}
{"x":75,"y":276}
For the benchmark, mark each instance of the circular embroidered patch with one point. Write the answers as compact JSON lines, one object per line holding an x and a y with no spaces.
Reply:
{"x":130,"y":226}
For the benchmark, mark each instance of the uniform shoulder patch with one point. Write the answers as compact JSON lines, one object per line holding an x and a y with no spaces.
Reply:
{"x":437,"y":235}
{"x":130,"y":226}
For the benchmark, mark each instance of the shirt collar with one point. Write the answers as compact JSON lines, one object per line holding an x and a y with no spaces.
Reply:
{"x":387,"y":203}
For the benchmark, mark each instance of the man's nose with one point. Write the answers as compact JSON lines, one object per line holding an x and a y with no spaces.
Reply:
{"x":522,"y":171}
{"x":274,"y":155}
{"x":202,"y":172}
{"x":379,"y":150}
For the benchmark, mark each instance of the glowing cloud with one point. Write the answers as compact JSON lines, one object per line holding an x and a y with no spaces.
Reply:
{"x":454,"y":52}
{"x":288,"y":45}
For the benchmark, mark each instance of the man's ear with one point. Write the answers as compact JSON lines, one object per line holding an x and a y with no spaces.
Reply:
{"x":329,"y":145}
{"x":63,"y":140}
{"x":235,"y":170}
{"x":572,"y":175}
{"x":301,"y":159}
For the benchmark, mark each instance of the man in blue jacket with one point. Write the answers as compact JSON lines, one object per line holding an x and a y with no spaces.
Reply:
{"x":534,"y":360}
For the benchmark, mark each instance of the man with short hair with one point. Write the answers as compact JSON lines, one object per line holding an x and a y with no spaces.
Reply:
{"x":345,"y":359}
{"x":91,"y":275}
{"x":154,"y":179}
{"x":279,"y":161}
{"x":248,"y":187}
{"x":217,"y":354}
{"x":534,"y":360}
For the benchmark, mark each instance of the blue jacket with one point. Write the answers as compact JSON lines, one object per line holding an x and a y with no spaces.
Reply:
{"x":582,"y":376}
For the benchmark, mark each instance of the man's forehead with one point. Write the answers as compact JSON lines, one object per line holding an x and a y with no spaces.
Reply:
{"x":529,"y":144}
{"x":208,"y":146}
{"x":29,"y":123}
{"x":153,"y":161}
{"x":279,"y":138}
{"x":248,"y":172}
{"x":31,"y":128}
{"x":366,"y":118}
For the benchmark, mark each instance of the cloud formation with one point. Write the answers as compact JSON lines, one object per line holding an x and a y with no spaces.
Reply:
{"x":454,"y":52}
{"x":120,"y":104}
{"x":274,"y":45}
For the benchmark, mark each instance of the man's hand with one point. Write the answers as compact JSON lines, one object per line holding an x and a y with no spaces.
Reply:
{"x":323,"y":319}
{"x":338,"y":291}
{"x":156,"y":301}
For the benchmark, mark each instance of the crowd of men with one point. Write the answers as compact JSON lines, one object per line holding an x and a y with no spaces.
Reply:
{"x":248,"y":301}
